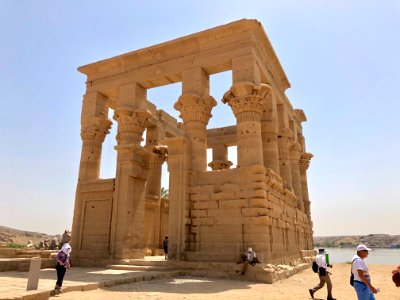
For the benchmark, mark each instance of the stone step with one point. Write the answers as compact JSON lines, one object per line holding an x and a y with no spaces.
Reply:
{"x":155,"y":261}
{"x":140,"y":268}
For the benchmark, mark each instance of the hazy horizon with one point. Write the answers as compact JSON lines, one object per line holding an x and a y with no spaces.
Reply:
{"x":342,"y":60}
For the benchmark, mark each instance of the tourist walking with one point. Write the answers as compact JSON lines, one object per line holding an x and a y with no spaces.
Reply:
{"x":165,"y":246}
{"x":323,"y":275}
{"x":362,"y":279}
{"x":63,"y":264}
{"x":396,"y":276}
{"x":249,"y":257}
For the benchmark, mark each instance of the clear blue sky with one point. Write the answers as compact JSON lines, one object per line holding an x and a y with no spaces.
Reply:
{"x":341,"y":57}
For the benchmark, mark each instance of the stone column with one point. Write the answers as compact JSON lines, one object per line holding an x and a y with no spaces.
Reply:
{"x":158,"y":154}
{"x":129,"y":199}
{"x":195,"y":106}
{"x":303,"y":166}
{"x":179,"y":161}
{"x":157,"y":157}
{"x":154,"y":135}
{"x":220,"y":158}
{"x":284,"y":140}
{"x":294,"y":155}
{"x":246,"y":100}
{"x":269,"y":132}
{"x":95,"y":126}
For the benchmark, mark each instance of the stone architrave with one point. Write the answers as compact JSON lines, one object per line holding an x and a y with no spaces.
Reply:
{"x":34,"y":274}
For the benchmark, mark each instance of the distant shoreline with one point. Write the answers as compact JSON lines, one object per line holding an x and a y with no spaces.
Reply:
{"x":371,"y":240}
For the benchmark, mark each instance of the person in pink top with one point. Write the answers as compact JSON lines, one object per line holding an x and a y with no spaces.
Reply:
{"x":63,"y":264}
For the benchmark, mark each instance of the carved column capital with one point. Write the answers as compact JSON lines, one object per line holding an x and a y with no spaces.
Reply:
{"x":158,"y":156}
{"x":220,"y":164}
{"x":304,"y":162}
{"x":97,"y":131}
{"x":246,"y":97}
{"x":194,"y":107}
{"x":131,"y":126}
{"x":295,"y":150}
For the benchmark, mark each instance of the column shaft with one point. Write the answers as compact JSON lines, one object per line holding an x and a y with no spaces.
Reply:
{"x":284,"y":139}
{"x":246,"y":100}
{"x":129,"y":197}
{"x":269,"y":131}
{"x":303,"y":166}
{"x":179,"y":223}
{"x":295,"y":153}
{"x":195,"y":112}
{"x":94,"y":127}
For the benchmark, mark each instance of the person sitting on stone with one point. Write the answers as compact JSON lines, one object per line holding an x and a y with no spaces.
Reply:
{"x":249,"y":257}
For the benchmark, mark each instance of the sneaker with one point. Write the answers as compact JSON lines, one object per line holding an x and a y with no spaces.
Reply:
{"x":311,"y":293}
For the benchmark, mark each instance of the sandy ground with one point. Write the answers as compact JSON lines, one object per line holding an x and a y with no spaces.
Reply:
{"x":295,"y":287}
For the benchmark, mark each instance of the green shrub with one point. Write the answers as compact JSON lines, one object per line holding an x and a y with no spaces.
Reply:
{"x":15,"y":245}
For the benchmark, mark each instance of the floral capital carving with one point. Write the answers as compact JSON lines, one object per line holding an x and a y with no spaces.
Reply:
{"x":131,"y":127}
{"x":96,"y":132}
{"x":246,"y":97}
{"x":304,"y":162}
{"x":194,"y":107}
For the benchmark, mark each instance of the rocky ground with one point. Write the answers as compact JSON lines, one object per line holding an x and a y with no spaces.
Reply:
{"x":11,"y":235}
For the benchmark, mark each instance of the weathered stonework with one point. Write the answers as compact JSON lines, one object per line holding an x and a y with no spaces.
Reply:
{"x":210,"y":216}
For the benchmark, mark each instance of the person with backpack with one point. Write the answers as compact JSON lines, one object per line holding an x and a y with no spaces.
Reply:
{"x":323,"y":275}
{"x":362,"y":280}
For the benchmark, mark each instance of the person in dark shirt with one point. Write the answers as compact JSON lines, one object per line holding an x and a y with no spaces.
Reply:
{"x":165,"y":246}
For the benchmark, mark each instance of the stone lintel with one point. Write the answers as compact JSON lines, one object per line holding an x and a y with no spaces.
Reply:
{"x":194,"y":46}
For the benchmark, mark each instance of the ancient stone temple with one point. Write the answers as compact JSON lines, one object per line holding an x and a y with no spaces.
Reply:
{"x":212,"y":215}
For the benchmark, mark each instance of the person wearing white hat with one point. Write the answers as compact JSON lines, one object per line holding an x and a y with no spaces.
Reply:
{"x":362,"y":279}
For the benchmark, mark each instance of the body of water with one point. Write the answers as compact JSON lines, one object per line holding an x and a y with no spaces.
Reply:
{"x":382,"y":256}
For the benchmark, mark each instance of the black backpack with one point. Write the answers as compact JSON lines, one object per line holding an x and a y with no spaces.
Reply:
{"x":351,"y":273}
{"x":315,"y":267}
